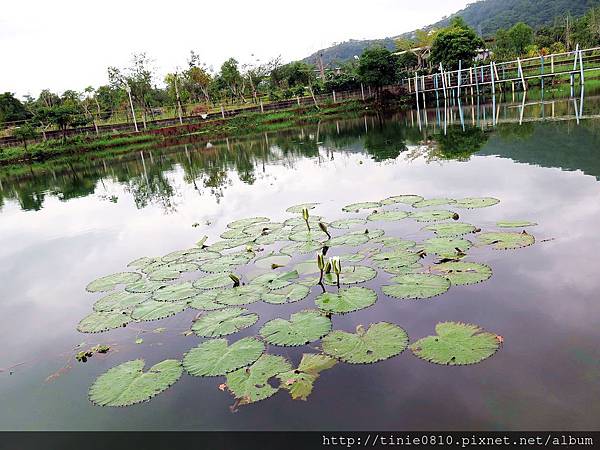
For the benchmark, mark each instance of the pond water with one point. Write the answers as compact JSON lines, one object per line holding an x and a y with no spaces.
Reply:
{"x":75,"y":220}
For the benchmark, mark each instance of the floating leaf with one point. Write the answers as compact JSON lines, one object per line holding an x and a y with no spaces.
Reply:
{"x":142,"y":262}
{"x":451,"y":229}
{"x":447,"y":247}
{"x":515,"y":224}
{"x":97,"y":322}
{"x":199,"y":257}
{"x":281,"y":234}
{"x":381,"y":341}
{"x":299,"y":221}
{"x":171,"y":271}
{"x":214,"y":281}
{"x":356,"y":207}
{"x":351,"y":275}
{"x":301,"y":247}
{"x":251,"y":384}
{"x":223,"y":322}
{"x":388,"y":215}
{"x":395,"y":242}
{"x":241,"y":295}
{"x":347,"y":223}
{"x":237,"y":233}
{"x":216,"y":357}
{"x":227,"y":263}
{"x":418,"y":285}
{"x":395,"y":258}
{"x":300,"y":382}
{"x":206,"y":300}
{"x":433,"y":202}
{"x":258,"y":229}
{"x":351,"y":239}
{"x":302,"y":328}
{"x":408,"y":199}
{"x":242,"y":223}
{"x":463,"y":273}
{"x":127,"y":384}
{"x":175,"y":292}
{"x":275,"y":280}
{"x":506,"y":240}
{"x":278,"y":259}
{"x":476,"y":202}
{"x":456,"y":344}
{"x":432,"y":215}
{"x":231,"y":243}
{"x":289,"y":294}
{"x":307,"y":267}
{"x":308,"y":236}
{"x":300,"y":207}
{"x":178,"y":254}
{"x":403,"y":270}
{"x":119,"y":301}
{"x":346,"y":300}
{"x":144,"y":286}
{"x":351,"y":258}
{"x":139,"y":341}
{"x":109,"y":282}
{"x":154,"y":310}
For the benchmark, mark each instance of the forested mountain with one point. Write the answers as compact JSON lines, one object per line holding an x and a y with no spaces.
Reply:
{"x":485,"y":16}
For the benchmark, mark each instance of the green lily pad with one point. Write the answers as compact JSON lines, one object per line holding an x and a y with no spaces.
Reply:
{"x":241,"y":295}
{"x":275,"y":280}
{"x":227,"y":262}
{"x":178,"y":254}
{"x":301,"y":247}
{"x":175,"y":292}
{"x":127,"y":383}
{"x":109,"y":282}
{"x":278,"y":259}
{"x":251,"y":384}
{"x":351,"y":258}
{"x":237,"y":233}
{"x":351,"y":275}
{"x":144,"y":286}
{"x":387,"y":216}
{"x":223,"y":322}
{"x":154,"y":310}
{"x":433,"y":202}
{"x":289,"y":294}
{"x":171,"y":271}
{"x":346,"y":300}
{"x":451,"y":229}
{"x":214,"y":281}
{"x":302,"y":328}
{"x":307,"y":267}
{"x":205,"y":301}
{"x":456,"y":344}
{"x":381,"y":341}
{"x":398,"y":257}
{"x":403,"y":270}
{"x":242,"y":223}
{"x":407,"y":199}
{"x":356,"y":207}
{"x":308,"y":236}
{"x":418,"y":285}
{"x":119,"y":301}
{"x":374,"y":234}
{"x":515,"y":224}
{"x":200,"y":257}
{"x":347,"y":223}
{"x":226,"y":244}
{"x":463,"y":273}
{"x":299,"y":382}
{"x":97,"y":322}
{"x":297,"y":221}
{"x":300,"y":207}
{"x":506,"y":240}
{"x":446,"y":247}
{"x":142,"y":262}
{"x":394,"y":242}
{"x":216,"y":357}
{"x":269,"y":238}
{"x":351,"y":239}
{"x":259,"y":229}
{"x":432,"y":215}
{"x":476,"y":202}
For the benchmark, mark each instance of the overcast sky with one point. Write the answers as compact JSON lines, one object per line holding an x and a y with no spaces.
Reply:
{"x":67,"y":44}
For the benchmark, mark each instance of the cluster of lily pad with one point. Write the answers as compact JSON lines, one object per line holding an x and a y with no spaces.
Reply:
{"x":153,"y":289}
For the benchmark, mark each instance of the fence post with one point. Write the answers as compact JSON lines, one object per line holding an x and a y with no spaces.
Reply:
{"x":298,"y":99}
{"x":333,"y":92}
{"x":542,"y":75}
{"x":581,"y":79}
{"x":521,"y":73}
{"x":459,"y":78}
{"x":417,"y":90}
{"x":362,"y":91}
{"x":492,"y":79}
{"x":222,"y":112}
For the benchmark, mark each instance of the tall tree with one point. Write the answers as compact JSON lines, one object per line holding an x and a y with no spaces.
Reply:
{"x":456,"y":43}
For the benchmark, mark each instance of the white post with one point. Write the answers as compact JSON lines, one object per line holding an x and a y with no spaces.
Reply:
{"x":362,"y":91}
{"x":417,"y":91}
{"x":222,"y":112}
{"x":521,"y":73}
{"x":298,"y":99}
{"x":459,"y":78}
{"x":443,"y":80}
{"x":582,"y":79}
{"x":492,"y":80}
{"x":128,"y":89}
{"x":179,"y":109}
{"x":333,"y":96}
{"x":262,"y":108}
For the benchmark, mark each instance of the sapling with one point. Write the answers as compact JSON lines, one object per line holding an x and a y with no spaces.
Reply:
{"x":305,"y":217}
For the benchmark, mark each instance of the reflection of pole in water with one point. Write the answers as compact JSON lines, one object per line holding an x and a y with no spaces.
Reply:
{"x":144,"y":166}
{"x":445,"y":117}
{"x":522,"y":107}
{"x":460,"y":113}
{"x":151,"y":157}
{"x":366,"y":126}
{"x":228,"y":146}
{"x":267,"y":141}
{"x":478,"y":108}
{"x":494,"y":110}
{"x":337,"y":126}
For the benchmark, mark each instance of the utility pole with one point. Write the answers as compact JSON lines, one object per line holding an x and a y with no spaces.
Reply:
{"x":128,"y":89}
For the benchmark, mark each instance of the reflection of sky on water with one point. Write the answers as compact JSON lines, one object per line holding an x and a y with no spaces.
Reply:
{"x":542,"y":299}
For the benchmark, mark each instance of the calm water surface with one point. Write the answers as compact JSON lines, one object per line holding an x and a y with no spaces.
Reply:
{"x":76,"y":220}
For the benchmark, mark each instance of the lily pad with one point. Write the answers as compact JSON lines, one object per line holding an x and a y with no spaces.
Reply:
{"x":388,"y":216}
{"x":381,"y":341}
{"x":223,"y":322}
{"x":394,"y":242}
{"x":403,"y":270}
{"x":216,"y":357}
{"x":356,"y":207}
{"x":144,"y":286}
{"x":302,"y":328}
{"x":153,"y":310}
{"x":346,"y":300}
{"x":451,"y":229}
{"x":275,"y":280}
{"x":142,"y":262}
{"x":127,"y":383}
{"x":398,"y":257}
{"x":347,"y":223}
{"x":171,"y":271}
{"x":226,"y":244}
{"x":109,"y":282}
{"x":418,"y":285}
{"x":433,"y":202}
{"x":407,"y":199}
{"x":278,"y":259}
{"x":307,"y":267}
{"x":119,"y":301}
{"x":237,"y":233}
{"x":350,"y":239}
{"x":259,"y":229}
{"x":242,"y":223}
{"x":227,"y":262}
{"x":308,"y":236}
{"x":507,"y":240}
{"x":289,"y":294}
{"x":463,"y":273}
{"x":515,"y":224}
{"x":300,"y":207}
{"x":301,"y":247}
{"x":299,"y":382}
{"x":175,"y":292}
{"x":178,"y":254}
{"x":251,"y":384}
{"x":447,"y":247}
{"x":241,"y":295}
{"x":97,"y":322}
{"x":432,"y":215}
{"x":214,"y":281}
{"x":296,"y":221}
{"x":206,"y":300}
{"x":476,"y":202}
{"x":456,"y":344}
{"x":269,"y":238}
{"x":351,"y":275}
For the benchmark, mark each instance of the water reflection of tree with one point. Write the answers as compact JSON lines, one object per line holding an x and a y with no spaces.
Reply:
{"x":459,"y":144}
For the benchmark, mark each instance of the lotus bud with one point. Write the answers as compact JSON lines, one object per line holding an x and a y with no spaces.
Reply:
{"x":328,"y":267}
{"x":235,"y":279}
{"x":305,"y":213}
{"x":337,"y":266}
{"x":320,"y":261}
